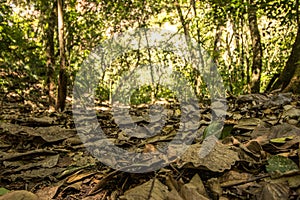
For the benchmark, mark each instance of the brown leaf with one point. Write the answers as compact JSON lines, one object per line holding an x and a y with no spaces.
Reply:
{"x":48,"y":193}
{"x":19,"y":195}
{"x":215,"y":187}
{"x":156,"y":191}
{"x":248,"y":124}
{"x":194,"y":189}
{"x":274,"y":191}
{"x":218,"y":160}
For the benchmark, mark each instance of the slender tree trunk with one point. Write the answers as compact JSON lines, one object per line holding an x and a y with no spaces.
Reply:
{"x":186,"y":30}
{"x":289,"y":79}
{"x":198,"y":80}
{"x":62,"y":81}
{"x":51,"y":57}
{"x":256,"y":47}
{"x":242,"y":59}
{"x":217,"y":41}
{"x":184,"y":24}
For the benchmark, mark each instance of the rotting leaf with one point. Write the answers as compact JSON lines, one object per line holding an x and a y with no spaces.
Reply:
{"x":156,"y":191}
{"x":284,"y":130}
{"x":218,"y":160}
{"x":274,"y":191}
{"x":189,"y":191}
{"x":47,"y":162}
{"x":196,"y":181}
{"x":49,"y":134}
{"x":48,"y":193}
{"x":194,"y":189}
{"x":174,"y":195}
{"x":248,"y":124}
{"x":30,"y":154}
{"x":293,"y":181}
{"x":50,"y":161}
{"x":215,"y":187}
{"x":18,"y":195}
{"x":292,"y":113}
{"x":83,"y":160}
{"x":281,"y":164}
{"x":36,"y":173}
{"x":44,"y":121}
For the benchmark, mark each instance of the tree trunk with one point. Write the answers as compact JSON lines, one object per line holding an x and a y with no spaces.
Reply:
{"x":289,"y":79}
{"x":290,"y":76}
{"x":184,"y":23}
{"x":217,"y":42}
{"x":256,"y":47}
{"x":197,"y":77}
{"x":50,"y":57}
{"x":62,"y":81}
{"x":294,"y":84}
{"x":186,"y":30}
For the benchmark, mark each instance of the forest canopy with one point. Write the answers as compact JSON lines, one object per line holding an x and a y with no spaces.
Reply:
{"x":254,"y":44}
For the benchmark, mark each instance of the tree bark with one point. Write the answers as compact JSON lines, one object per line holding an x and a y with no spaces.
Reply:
{"x":290,"y":76}
{"x":62,"y":81}
{"x":51,"y":57}
{"x":256,"y":48}
{"x":288,"y":80}
{"x":294,"y":84}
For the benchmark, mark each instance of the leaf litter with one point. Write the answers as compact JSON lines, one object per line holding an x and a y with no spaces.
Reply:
{"x":255,"y":156}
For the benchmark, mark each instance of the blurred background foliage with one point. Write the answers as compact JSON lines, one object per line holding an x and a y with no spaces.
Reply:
{"x":220,"y":27}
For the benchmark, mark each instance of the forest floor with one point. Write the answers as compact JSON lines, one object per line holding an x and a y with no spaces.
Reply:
{"x":257,"y":157}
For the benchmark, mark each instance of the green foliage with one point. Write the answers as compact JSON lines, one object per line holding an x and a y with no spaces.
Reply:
{"x":285,"y":11}
{"x":3,"y":191}
{"x":220,"y":27}
{"x":20,"y":56}
{"x":281,"y":164}
{"x":141,"y":95}
{"x":214,"y":128}
{"x":102,"y":93}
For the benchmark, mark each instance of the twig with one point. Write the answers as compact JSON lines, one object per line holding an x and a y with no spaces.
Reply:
{"x":226,"y":185}
{"x":103,"y":181}
{"x":152,"y":186}
{"x":98,"y":186}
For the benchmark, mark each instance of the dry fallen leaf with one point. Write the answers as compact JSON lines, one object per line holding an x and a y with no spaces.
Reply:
{"x":19,"y":195}
{"x":194,"y":189}
{"x":154,"y":191}
{"x":218,"y":160}
{"x":274,"y":191}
